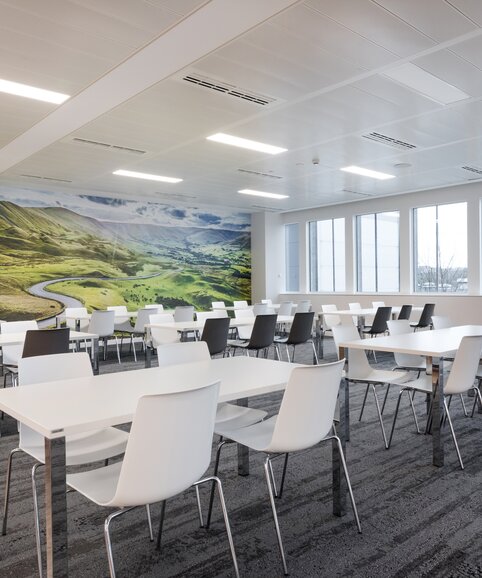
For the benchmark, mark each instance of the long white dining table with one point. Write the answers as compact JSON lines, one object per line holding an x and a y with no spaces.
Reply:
{"x":435,"y":345}
{"x":61,"y":408}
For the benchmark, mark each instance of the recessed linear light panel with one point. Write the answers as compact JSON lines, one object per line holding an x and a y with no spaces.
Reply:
{"x":27,"y":91}
{"x":246,"y":143}
{"x":262,"y":194}
{"x":146,"y":176}
{"x":426,"y":84}
{"x":367,"y":173}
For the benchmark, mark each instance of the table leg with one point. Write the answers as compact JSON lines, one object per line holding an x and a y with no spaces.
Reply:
{"x":243,"y":451}
{"x":95,"y":355}
{"x":319,"y":337}
{"x":339,"y":482}
{"x":148,"y":354}
{"x":437,"y":412}
{"x":56,"y":508}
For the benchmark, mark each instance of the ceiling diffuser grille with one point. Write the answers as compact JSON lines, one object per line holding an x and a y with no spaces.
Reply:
{"x":106,"y":145}
{"x":47,"y":178}
{"x":258,"y":174}
{"x":270,"y":209}
{"x":389,"y":141}
{"x":473,"y":170}
{"x":356,"y":193}
{"x":229,"y":89}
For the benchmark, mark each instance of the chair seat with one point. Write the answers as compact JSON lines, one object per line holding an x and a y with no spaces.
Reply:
{"x":378,"y":376}
{"x":423,"y":384}
{"x":85,"y":448}
{"x":233,"y":416}
{"x":237,"y":343}
{"x":98,"y":485}
{"x":257,"y":436}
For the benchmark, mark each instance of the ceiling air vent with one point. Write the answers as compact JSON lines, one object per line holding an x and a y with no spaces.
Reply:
{"x":389,"y":141}
{"x":258,"y":174}
{"x":47,"y":178}
{"x":106,"y":145}
{"x":229,"y":89}
{"x":270,"y":209}
{"x":356,"y":193}
{"x":473,"y":170}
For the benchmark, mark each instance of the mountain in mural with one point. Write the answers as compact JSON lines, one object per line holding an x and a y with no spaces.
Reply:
{"x":164,"y":263}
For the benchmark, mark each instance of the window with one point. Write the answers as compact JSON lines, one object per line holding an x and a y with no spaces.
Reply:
{"x":378,"y":258}
{"x":440,"y":248}
{"x":292,"y":241}
{"x":327,"y":255}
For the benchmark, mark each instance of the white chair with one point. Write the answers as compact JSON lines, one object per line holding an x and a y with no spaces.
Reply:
{"x":267,"y":302}
{"x":377,"y":304}
{"x":169,"y":449}
{"x":354,"y":307}
{"x":82,"y":448}
{"x":330,"y":320}
{"x":139,"y":329}
{"x":260,"y":309}
{"x":122,"y":320}
{"x":218,"y":305}
{"x":161,"y":335}
{"x":304,"y":306}
{"x":244,"y":331}
{"x":240,"y":304}
{"x":360,"y":371}
{"x":12,"y":353}
{"x":285,"y":308}
{"x":460,"y":380}
{"x":195,"y":351}
{"x":102,"y":323}
{"x":76,"y":318}
{"x":406,"y":361}
{"x":203,"y":315}
{"x":305,"y":418}
{"x":158,"y":306}
{"x":184,"y":313}
{"x":441,"y":322}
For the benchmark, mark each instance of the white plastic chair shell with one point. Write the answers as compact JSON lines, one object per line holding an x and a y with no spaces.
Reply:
{"x":330,"y":320}
{"x":407,"y":360}
{"x":12,"y":353}
{"x":78,"y":312}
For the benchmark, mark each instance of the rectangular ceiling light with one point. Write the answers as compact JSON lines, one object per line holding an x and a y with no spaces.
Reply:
{"x":32,"y":92}
{"x":262,"y":194}
{"x":146,"y":176}
{"x":367,"y":173}
{"x":426,"y":84}
{"x":245,"y":143}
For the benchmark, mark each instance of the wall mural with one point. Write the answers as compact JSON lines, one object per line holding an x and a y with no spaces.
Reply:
{"x":61,"y":250}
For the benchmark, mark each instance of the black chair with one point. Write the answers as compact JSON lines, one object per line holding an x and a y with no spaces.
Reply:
{"x":379,"y":324}
{"x":301,"y":332}
{"x":425,"y":318}
{"x":215,"y":334}
{"x":46,"y":342}
{"x":405,"y":312}
{"x":262,"y":336}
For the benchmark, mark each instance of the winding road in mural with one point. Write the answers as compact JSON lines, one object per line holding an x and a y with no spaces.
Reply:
{"x":39,"y":290}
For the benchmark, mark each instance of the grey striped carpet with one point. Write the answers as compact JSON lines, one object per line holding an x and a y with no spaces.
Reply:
{"x":417,"y":520}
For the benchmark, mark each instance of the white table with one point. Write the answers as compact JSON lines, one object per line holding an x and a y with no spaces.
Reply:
{"x":435,"y":346}
{"x":78,"y":318}
{"x":19,"y":339}
{"x":56,"y":409}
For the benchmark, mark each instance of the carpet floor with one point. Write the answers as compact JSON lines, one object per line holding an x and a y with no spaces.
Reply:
{"x":417,"y":520}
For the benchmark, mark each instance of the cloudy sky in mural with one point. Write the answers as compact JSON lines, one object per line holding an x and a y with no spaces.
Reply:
{"x":131,"y":211}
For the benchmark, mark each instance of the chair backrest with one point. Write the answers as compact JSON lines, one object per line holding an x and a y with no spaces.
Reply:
{"x":240,"y":304}
{"x":399,"y":327}
{"x":301,"y":328}
{"x":142,"y":319}
{"x":119,"y":310}
{"x":285,"y":308}
{"x":464,"y":368}
{"x":260,"y":308}
{"x":268,"y":302}
{"x":426,"y":315}
{"x":379,"y":324}
{"x":74,"y":312}
{"x":182,"y":352}
{"x":157,"y":306}
{"x":218,"y":313}
{"x":308,"y":407}
{"x":161,"y":318}
{"x":405,"y":312}
{"x":184,"y":313}
{"x":354,"y":306}
{"x":215,"y":334}
{"x":303,"y":306}
{"x":358,"y":366}
{"x":169,"y":446}
{"x":441,"y":321}
{"x":102,"y":323}
{"x":218,"y":305}
{"x":56,"y":367}
{"x":376,"y":304}
{"x":12,"y":353}
{"x":263,"y":331}
{"x":239,"y":313}
{"x":46,"y":342}
{"x":163,"y":335}
{"x":330,"y":320}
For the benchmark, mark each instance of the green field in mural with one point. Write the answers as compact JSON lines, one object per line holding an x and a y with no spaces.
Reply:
{"x":101,"y":262}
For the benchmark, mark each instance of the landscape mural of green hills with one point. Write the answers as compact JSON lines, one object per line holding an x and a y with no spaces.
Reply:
{"x":143,"y":253}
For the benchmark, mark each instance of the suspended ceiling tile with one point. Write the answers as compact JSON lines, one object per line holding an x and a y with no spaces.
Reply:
{"x":470,"y":8}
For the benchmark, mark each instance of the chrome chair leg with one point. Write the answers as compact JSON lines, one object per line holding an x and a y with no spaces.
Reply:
{"x":447,"y":413}
{"x":288,"y":353}
{"x":315,"y":354}
{"x":364,"y":402}
{"x":108,"y":544}
{"x":385,"y":397}
{"x":215,"y":473}
{"x":199,"y":508}
{"x":37,"y":518}
{"x":149,"y":522}
{"x":463,"y":405}
{"x":275,"y":515}
{"x":273,"y":481}
{"x":161,"y":524}
{"x":477,"y":398}
{"x":7,"y":489}
{"x":411,"y":395}
{"x":380,"y":418}
{"x":283,"y":476}
{"x":395,"y":416}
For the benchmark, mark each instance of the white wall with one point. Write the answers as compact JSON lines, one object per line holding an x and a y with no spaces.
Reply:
{"x":463,"y":308}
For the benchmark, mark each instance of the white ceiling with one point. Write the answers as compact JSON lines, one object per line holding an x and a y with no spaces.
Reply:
{"x":320,"y":61}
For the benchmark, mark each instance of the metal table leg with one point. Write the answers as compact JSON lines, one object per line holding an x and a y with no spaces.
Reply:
{"x":243,"y":451}
{"x":437,"y":412}
{"x":95,"y":355}
{"x":339,"y":482}
{"x":319,"y":337}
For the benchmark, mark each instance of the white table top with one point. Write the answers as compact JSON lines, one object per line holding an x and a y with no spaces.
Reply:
{"x":365,"y":312}
{"x":19,"y":338}
{"x":117,"y":315}
{"x":198,"y":325}
{"x":436,"y":343}
{"x":72,"y":406}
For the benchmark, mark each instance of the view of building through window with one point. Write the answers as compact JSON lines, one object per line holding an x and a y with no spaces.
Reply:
{"x":327,"y":255}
